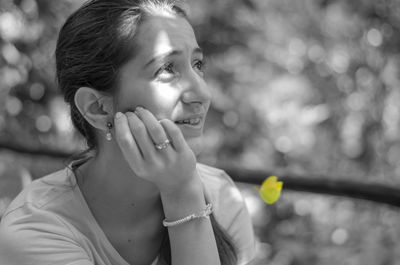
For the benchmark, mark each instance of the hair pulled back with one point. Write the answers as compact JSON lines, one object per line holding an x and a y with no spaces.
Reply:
{"x":93,"y":44}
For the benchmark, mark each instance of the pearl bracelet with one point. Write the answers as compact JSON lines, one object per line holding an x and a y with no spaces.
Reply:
{"x":203,"y":214}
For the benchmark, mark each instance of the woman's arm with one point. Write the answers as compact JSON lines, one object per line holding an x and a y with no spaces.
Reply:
{"x":192,"y":242}
{"x":173,"y":171}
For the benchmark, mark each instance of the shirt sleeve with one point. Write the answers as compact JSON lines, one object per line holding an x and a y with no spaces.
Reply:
{"x":40,"y":238}
{"x":235,"y":217}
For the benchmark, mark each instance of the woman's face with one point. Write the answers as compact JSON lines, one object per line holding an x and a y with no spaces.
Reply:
{"x":166,"y":76}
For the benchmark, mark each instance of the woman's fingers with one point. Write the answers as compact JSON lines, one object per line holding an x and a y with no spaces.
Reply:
{"x":139,"y":132}
{"x":175,"y":134}
{"x":124,"y":137}
{"x":154,"y":128}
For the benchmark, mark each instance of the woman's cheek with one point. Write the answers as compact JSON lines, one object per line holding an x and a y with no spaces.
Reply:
{"x":162,"y":102}
{"x":165,"y":92}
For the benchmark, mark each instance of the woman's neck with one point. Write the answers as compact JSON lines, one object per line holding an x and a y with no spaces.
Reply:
{"x":114,"y":193}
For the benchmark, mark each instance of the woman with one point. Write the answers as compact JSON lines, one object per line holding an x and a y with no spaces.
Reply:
{"x":132,"y":73}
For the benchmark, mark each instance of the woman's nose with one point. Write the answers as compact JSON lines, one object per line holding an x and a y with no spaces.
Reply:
{"x":195,"y":90}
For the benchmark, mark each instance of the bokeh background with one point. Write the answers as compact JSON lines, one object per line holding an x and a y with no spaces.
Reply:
{"x":307,"y":87}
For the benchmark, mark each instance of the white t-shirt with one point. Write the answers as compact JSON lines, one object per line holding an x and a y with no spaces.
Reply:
{"x":52,"y":223}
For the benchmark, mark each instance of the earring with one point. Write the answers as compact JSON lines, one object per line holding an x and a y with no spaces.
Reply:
{"x":108,"y":134}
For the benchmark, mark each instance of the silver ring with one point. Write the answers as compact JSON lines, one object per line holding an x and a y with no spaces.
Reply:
{"x":163,"y":145}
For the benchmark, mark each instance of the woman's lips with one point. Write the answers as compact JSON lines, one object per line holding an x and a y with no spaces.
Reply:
{"x":194,"y":128}
{"x":192,"y":121}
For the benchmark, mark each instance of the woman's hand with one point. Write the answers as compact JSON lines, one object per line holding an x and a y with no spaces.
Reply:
{"x":173,"y":171}
{"x":170,"y":169}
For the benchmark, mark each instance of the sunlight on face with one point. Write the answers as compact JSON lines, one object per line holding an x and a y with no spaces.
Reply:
{"x":162,"y":43}
{"x":166,"y":77}
{"x":162,"y":46}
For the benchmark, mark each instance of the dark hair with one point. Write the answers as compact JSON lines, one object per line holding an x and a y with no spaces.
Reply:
{"x":93,"y":44}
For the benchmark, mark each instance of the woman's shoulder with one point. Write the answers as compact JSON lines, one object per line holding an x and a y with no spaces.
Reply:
{"x":42,"y":192}
{"x":222,"y":191}
{"x":219,"y":187}
{"x":214,"y":177}
{"x":229,"y":209}
{"x":42,"y":219}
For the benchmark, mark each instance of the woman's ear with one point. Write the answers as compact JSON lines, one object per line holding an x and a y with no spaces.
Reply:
{"x":95,"y":106}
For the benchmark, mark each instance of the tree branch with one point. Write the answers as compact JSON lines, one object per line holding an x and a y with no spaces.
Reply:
{"x":375,"y":192}
{"x":33,"y":150}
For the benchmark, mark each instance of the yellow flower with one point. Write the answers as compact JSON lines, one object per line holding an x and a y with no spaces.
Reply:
{"x":270,"y":190}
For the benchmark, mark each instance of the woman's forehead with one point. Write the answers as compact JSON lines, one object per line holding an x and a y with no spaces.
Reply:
{"x":160,"y":34}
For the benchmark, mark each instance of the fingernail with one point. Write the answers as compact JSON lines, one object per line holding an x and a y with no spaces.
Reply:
{"x":138,"y":110}
{"x":118,"y":115}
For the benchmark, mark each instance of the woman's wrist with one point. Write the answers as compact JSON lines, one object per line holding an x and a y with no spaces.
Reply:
{"x":189,"y":183}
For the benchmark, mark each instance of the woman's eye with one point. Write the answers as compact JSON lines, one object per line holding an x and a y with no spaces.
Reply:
{"x":165,"y":71}
{"x":199,"y":65}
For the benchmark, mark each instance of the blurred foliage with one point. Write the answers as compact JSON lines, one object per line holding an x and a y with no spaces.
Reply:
{"x":308,"y":86}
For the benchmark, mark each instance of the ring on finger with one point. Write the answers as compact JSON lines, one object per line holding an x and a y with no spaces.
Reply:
{"x":162,"y":145}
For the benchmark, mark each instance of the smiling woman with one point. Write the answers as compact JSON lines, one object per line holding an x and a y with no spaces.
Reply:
{"x":132,"y":73}
{"x":169,"y":75}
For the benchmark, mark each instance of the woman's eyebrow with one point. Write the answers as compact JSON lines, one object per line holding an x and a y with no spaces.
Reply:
{"x":170,"y":53}
{"x":198,"y":50}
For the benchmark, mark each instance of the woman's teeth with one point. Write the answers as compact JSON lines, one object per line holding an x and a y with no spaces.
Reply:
{"x":190,"y":121}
